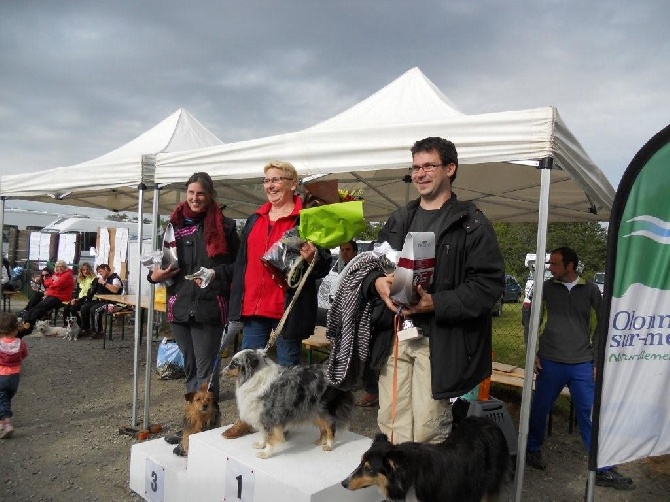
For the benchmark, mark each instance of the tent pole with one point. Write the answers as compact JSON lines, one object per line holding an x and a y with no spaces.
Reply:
{"x":138,"y":302}
{"x":150,"y":315}
{"x":526,"y":396}
{"x":2,"y":234}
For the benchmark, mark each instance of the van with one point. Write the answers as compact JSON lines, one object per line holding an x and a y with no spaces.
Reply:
{"x":87,"y":229}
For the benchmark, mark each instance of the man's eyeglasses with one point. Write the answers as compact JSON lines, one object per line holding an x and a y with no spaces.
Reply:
{"x":274,"y":181}
{"x":427,"y":168}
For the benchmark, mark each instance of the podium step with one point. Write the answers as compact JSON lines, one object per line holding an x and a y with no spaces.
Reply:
{"x":227,"y":469}
{"x":157,"y":474}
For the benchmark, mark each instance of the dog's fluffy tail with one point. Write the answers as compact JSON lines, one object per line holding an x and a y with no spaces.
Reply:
{"x":339,"y":404}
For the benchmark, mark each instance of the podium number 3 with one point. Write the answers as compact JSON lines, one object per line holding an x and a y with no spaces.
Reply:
{"x":154,"y":481}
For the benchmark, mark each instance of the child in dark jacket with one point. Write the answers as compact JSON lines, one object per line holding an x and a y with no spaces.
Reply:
{"x":13,"y":350}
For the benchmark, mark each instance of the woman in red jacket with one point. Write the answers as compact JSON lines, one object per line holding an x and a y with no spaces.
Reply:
{"x":59,"y":288}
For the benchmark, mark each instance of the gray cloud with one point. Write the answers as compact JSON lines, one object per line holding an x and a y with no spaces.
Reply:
{"x":80,"y":78}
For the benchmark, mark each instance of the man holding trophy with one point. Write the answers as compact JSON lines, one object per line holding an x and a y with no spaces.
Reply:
{"x":456,"y":273}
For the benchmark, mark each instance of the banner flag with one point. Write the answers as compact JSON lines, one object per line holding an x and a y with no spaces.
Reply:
{"x":631,"y":417}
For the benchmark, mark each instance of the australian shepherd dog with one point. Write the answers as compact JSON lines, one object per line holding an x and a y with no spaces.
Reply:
{"x":470,"y":465}
{"x":201,"y":413}
{"x":271,"y":397}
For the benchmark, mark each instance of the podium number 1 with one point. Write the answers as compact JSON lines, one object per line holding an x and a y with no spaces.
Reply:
{"x":240,"y":481}
{"x":154,"y":481}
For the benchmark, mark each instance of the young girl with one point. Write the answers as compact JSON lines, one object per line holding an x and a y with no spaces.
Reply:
{"x":13,"y":350}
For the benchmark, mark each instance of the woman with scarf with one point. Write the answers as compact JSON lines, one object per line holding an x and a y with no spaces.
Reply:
{"x":197,"y":309}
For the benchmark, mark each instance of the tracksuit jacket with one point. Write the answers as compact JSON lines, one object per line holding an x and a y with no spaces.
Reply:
{"x":469,"y":277}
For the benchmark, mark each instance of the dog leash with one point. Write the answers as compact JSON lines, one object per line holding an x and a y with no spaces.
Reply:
{"x":397,"y":322}
{"x":275,"y":332}
{"x":217,"y":361}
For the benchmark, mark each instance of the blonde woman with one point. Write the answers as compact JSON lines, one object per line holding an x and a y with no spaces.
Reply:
{"x":85,"y":279}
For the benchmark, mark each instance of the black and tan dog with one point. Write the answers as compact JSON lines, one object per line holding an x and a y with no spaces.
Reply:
{"x":271,"y":397}
{"x":471,"y":465}
{"x":201,"y":413}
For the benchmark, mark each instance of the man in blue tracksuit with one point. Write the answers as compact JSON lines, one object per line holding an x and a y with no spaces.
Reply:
{"x":570,"y":313}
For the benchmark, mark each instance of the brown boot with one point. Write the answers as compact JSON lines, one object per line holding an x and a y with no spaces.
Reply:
{"x":238,"y":429}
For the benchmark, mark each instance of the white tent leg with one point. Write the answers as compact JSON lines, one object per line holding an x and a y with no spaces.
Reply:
{"x":540,"y":252}
{"x":138,"y":302}
{"x":150,"y":318}
{"x":2,"y":234}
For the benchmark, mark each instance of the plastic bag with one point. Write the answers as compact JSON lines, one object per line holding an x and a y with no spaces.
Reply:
{"x":282,"y":255}
{"x":169,"y":361}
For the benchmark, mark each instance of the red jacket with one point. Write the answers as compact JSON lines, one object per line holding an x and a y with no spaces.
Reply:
{"x":12,"y":352}
{"x":262,"y":296}
{"x":60,"y":285}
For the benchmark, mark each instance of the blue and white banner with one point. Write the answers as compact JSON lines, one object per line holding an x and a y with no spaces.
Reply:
{"x":632,"y":405}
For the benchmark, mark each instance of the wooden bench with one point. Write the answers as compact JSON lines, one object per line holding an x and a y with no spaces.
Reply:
{"x":512,"y":375}
{"x":318,"y":342}
{"x":7,"y":300}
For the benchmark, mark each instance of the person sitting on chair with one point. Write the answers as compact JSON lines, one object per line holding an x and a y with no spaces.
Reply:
{"x":107,"y":283}
{"x":58,"y":290}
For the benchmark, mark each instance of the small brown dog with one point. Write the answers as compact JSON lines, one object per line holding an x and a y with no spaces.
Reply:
{"x":201,"y":413}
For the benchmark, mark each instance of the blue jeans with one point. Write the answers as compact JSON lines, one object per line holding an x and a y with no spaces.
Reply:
{"x":9,"y":384}
{"x":548,"y":385}
{"x":256,"y":333}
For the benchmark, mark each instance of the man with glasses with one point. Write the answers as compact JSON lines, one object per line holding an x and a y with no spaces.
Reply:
{"x":453,"y":314}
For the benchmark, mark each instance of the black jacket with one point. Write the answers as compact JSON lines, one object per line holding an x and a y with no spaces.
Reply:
{"x":469,"y":277}
{"x":186,"y":299}
{"x":301,"y":320}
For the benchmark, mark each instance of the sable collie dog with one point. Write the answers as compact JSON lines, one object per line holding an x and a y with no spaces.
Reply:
{"x":270,"y":397}
{"x":470,"y":465}
{"x":201,"y":413}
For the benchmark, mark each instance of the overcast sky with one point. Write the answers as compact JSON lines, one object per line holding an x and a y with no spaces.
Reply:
{"x":80,"y":78}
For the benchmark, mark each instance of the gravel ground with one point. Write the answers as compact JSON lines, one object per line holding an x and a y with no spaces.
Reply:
{"x":74,"y":396}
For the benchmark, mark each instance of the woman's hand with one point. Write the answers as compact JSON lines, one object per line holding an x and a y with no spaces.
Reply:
{"x":307,"y":251}
{"x":161,"y":275}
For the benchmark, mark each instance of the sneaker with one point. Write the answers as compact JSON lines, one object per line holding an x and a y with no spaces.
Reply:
{"x":7,"y":429}
{"x":238,"y":429}
{"x":173,"y":438}
{"x":535,"y":460}
{"x":98,"y":336}
{"x":612,"y":479}
{"x":368,"y":400}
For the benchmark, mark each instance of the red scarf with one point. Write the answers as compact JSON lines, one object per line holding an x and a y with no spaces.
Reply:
{"x":215,"y":238}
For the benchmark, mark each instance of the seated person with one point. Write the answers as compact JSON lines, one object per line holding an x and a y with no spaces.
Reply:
{"x":58,"y":290}
{"x":85,"y":278}
{"x":5,"y":275}
{"x":37,"y":285}
{"x":107,"y":283}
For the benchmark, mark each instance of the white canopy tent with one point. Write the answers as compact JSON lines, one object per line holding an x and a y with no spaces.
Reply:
{"x":117,"y":181}
{"x":367,"y":146}
{"x":110,"y":181}
{"x":518,"y":166}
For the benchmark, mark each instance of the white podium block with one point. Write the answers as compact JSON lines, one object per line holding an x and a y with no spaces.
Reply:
{"x":157,"y":474}
{"x":228,"y":469}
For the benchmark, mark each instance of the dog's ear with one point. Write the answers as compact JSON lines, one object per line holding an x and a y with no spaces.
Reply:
{"x":189,"y":396}
{"x":251,"y":360}
{"x":459,"y":410}
{"x":381,"y":438}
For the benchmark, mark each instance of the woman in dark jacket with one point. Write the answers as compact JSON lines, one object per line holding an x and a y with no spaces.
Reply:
{"x":197,"y":309}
